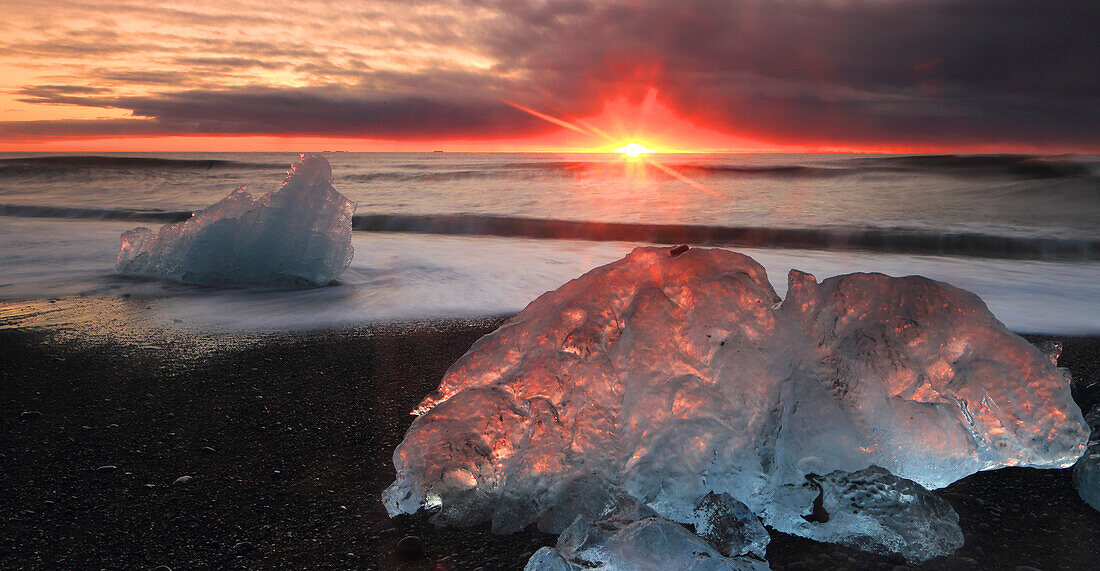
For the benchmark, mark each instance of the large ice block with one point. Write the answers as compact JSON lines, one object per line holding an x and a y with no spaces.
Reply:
{"x":297,"y":236}
{"x":672,"y":376}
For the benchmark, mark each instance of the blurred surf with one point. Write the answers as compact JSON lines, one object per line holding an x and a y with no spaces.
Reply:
{"x":442,"y":234}
{"x":893,"y":240}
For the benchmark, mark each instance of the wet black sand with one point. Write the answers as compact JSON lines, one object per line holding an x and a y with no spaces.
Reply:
{"x":287,"y":443}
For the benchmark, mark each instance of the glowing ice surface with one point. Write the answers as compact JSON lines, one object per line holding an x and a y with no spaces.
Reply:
{"x":672,"y":376}
{"x":297,"y":236}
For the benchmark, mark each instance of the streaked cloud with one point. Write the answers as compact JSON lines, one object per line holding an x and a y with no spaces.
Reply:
{"x":926,"y":72}
{"x":269,"y":111}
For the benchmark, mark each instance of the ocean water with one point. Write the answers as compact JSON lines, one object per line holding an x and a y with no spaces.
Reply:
{"x":453,"y":234}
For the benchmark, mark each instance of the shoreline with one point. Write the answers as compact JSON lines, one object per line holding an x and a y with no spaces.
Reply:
{"x":288,"y":437}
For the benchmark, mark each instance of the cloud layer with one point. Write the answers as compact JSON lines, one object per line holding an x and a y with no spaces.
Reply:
{"x":839,"y":72}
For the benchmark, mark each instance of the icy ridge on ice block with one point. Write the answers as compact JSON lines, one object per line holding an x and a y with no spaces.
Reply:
{"x":297,"y":236}
{"x":669,"y":377}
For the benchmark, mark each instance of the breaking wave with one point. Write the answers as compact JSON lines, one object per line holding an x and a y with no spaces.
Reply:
{"x":419,"y":176}
{"x":1014,"y":166}
{"x":77,"y":213}
{"x":868,"y":239}
{"x":888,"y":240}
{"x":1023,"y":166}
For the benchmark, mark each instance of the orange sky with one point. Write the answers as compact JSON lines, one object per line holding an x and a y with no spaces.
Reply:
{"x":692,"y":76}
{"x":649,"y":122}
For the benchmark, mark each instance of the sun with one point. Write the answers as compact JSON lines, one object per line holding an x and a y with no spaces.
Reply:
{"x":633,"y":150}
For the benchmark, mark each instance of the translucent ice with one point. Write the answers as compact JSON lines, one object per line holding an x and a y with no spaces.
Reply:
{"x":871,"y":509}
{"x":672,"y":376}
{"x":1086,"y":473}
{"x":636,"y":540}
{"x":297,"y":236}
{"x":729,"y":525}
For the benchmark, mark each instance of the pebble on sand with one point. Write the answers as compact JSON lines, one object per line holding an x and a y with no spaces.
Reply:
{"x":410,"y":548}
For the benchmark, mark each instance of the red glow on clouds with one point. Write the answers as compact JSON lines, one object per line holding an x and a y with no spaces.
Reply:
{"x":245,"y":75}
{"x":648,"y":123}
{"x":622,"y":120}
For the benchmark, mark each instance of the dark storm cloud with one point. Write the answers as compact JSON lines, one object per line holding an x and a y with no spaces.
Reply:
{"x":802,"y":71}
{"x":923,"y":70}
{"x":78,"y":129}
{"x":52,"y":91}
{"x":61,"y":95}
{"x":287,"y":112}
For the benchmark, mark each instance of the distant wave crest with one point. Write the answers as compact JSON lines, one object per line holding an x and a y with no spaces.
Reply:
{"x":891,"y":240}
{"x":1013,"y":166}
{"x":419,"y":176}
{"x":72,"y":212}
{"x":1023,"y":166}
{"x":868,"y":239}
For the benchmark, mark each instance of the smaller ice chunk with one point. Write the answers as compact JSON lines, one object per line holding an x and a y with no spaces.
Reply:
{"x":729,"y":526}
{"x":1086,"y":473}
{"x":297,"y":236}
{"x":634,"y":539}
{"x":592,"y":497}
{"x":548,"y":559}
{"x":872,"y":510}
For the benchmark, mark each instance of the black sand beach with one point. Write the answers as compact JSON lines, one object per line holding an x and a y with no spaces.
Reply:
{"x":272,"y":453}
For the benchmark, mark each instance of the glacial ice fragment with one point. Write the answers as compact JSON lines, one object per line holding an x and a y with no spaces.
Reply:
{"x":548,"y":559}
{"x":672,"y":377}
{"x":1086,"y":473}
{"x":729,"y":526}
{"x":872,"y":510}
{"x":635,"y":540}
{"x":297,"y":236}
